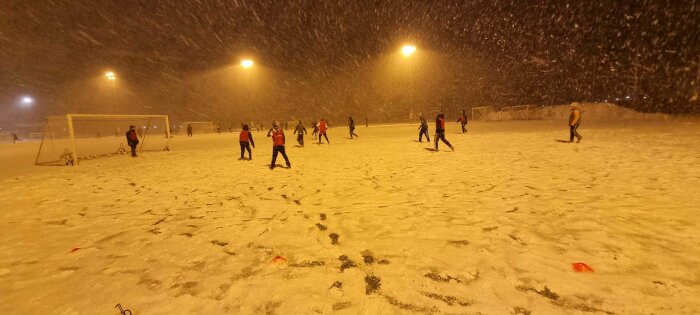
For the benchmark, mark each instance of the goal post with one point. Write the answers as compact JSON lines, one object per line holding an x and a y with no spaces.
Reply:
{"x":521,"y":112}
{"x":71,"y":138}
{"x":481,"y":112}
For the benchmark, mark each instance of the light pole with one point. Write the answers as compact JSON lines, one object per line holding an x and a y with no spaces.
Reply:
{"x":247,"y":64}
{"x":408,"y":51}
{"x":112,"y":78}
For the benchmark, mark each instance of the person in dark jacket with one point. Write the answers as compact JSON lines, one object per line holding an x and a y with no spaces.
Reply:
{"x":189,"y":130}
{"x":463,"y":120}
{"x":278,"y":141}
{"x":574,"y":123}
{"x":246,"y":139}
{"x":351,"y":126}
{"x":314,"y":132}
{"x":132,"y":139}
{"x":423,"y":128}
{"x":300,"y":131}
{"x":440,"y":131}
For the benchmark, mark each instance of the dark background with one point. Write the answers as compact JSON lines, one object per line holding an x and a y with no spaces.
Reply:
{"x":336,"y":58}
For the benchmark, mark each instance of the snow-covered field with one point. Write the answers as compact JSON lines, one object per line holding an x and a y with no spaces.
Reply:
{"x":379,"y":225}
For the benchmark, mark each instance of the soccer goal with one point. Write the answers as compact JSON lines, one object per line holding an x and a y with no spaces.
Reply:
{"x":481,"y":113}
{"x":520,"y":112}
{"x":69,"y":139}
{"x":198,"y":127}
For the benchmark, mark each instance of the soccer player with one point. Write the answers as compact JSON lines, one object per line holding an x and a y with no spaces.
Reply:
{"x":463,"y":120}
{"x":351,"y":126}
{"x":300,"y":131}
{"x":440,"y":131}
{"x":278,"y":140}
{"x":322,"y":128}
{"x":423,"y":128}
{"x":132,"y":139}
{"x":245,"y":138}
{"x":574,"y":123}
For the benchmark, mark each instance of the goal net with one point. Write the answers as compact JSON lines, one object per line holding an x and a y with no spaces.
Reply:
{"x":481,"y":113}
{"x":198,"y":127}
{"x":520,"y":112}
{"x":69,"y":139}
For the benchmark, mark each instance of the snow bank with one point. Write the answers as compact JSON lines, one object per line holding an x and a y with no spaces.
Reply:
{"x":592,"y":112}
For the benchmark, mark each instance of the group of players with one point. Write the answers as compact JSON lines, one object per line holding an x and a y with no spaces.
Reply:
{"x":321,"y":128}
{"x":245,"y":138}
{"x":320,"y":131}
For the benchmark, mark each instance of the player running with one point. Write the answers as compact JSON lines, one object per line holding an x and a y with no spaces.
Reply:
{"x":463,"y":120}
{"x":423,"y":128}
{"x":574,"y":123}
{"x":440,"y":131}
{"x":351,"y":126}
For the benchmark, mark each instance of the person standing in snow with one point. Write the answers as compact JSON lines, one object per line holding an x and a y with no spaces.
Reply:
{"x":351,"y":126}
{"x":366,"y":121}
{"x":315,"y":131}
{"x":574,"y":123}
{"x":245,"y":138}
{"x":300,"y":131}
{"x":132,"y":139}
{"x":189,"y":130}
{"x":423,"y":128}
{"x":278,"y":141}
{"x":463,"y":120}
{"x":322,"y":128}
{"x":440,"y":131}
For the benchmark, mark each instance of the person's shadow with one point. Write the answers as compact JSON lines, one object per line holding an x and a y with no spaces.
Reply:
{"x":281,"y":166}
{"x":430,"y":149}
{"x":562,"y":141}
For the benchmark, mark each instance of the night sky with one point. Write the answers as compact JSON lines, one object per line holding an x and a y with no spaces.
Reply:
{"x":333,"y":56}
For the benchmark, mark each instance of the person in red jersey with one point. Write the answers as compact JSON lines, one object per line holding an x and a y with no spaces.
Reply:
{"x":246,"y":140}
{"x":278,"y":141}
{"x":440,"y":131}
{"x":322,"y":128}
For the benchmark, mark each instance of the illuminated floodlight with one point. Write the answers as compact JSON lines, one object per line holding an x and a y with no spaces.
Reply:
{"x":27,"y":100}
{"x":110,"y":76}
{"x":408,"y":50}
{"x":247,"y":63}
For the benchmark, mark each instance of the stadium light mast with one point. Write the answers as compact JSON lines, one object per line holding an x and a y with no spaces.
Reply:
{"x":407,"y":51}
{"x":247,"y":63}
{"x":111,"y":77}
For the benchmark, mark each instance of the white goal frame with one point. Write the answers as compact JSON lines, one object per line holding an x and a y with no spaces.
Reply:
{"x":71,"y":130}
{"x":482,"y":109}
{"x":523,"y":107}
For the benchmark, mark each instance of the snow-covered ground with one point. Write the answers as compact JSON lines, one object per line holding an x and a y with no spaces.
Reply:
{"x":379,"y":225}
